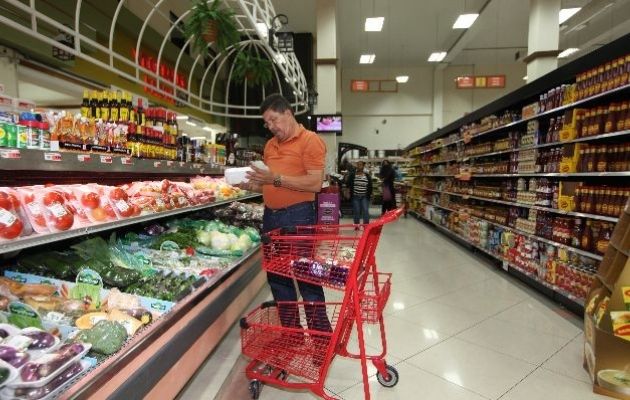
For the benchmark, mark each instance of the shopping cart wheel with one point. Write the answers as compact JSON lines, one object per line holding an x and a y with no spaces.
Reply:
{"x":254,"y":389}
{"x":392,"y":378}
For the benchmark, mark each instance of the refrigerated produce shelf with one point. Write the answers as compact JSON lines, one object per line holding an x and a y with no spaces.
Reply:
{"x":39,"y":239}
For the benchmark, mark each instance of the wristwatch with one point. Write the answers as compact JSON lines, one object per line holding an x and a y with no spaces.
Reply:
{"x":277,"y":181}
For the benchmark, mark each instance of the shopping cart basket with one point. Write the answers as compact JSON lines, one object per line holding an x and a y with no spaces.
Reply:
{"x":299,"y":340}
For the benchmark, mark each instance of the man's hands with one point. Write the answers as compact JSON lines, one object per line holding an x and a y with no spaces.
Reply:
{"x":260,"y":176}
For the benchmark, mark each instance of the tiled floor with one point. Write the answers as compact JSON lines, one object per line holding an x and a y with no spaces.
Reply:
{"x":457,"y":328}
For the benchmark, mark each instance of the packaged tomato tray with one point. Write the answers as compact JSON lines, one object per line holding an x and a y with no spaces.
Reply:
{"x":91,"y":198}
{"x":13,"y":219}
{"x":48,"y":208}
{"x":118,"y":199}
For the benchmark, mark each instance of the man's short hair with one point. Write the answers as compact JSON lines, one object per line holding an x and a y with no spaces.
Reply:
{"x":275,"y":102}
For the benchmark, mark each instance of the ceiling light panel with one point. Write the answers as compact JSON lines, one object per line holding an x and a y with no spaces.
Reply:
{"x":437,"y":56}
{"x":367,"y":58}
{"x":566,"y":53}
{"x":567,"y":13}
{"x":374,"y":24}
{"x":402,"y":78}
{"x":465,"y":21}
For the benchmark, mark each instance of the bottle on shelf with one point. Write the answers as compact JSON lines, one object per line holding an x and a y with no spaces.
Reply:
{"x":93,"y":104}
{"x":586,"y":241}
{"x":113,"y":107}
{"x":577,"y":233}
{"x":85,"y":104}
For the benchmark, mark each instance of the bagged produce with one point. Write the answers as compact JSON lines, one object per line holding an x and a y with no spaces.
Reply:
{"x":106,"y":337}
{"x":13,"y":219}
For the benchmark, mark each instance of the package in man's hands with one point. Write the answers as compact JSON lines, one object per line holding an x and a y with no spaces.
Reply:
{"x":234,"y":176}
{"x":260,"y":165}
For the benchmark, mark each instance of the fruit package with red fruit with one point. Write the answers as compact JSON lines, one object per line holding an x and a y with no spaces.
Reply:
{"x":118,"y":199}
{"x":91,"y":199}
{"x":74,"y":205}
{"x":13,"y":219}
{"x":48,"y":208}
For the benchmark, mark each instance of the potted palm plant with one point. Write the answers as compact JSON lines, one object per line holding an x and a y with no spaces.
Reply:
{"x":256,"y":69}
{"x":211,"y":22}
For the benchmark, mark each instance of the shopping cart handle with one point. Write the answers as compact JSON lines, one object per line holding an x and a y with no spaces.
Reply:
{"x":390,"y":216}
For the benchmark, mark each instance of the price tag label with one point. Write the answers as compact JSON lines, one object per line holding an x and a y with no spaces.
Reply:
{"x":84,"y":158}
{"x":157,"y":164}
{"x":126,"y":161}
{"x":505,"y":265}
{"x":196,"y":166}
{"x":169,"y":163}
{"x":11,"y":154}
{"x":56,"y":157}
{"x":106,"y":159}
{"x":181,"y":163}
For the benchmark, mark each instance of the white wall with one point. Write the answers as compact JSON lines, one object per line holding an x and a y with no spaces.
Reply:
{"x":458,"y":102}
{"x":400,"y":118}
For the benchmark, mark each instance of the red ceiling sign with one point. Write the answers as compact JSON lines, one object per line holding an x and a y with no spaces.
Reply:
{"x":480,"y":82}
{"x":496,"y":81}
{"x":359,"y":85}
{"x":465,"y":82}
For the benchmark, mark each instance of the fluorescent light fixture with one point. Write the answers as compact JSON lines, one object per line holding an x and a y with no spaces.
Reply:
{"x":567,"y":13}
{"x":437,"y":56}
{"x":402,"y":78}
{"x":465,"y":21}
{"x":182,"y":117}
{"x":367,"y":58}
{"x":263,"y":30}
{"x":207,"y":129}
{"x":566,"y":53}
{"x":190,"y":123}
{"x":374,"y":24}
{"x":525,"y":78}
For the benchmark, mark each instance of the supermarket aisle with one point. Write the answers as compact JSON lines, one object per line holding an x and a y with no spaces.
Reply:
{"x":458,"y":328}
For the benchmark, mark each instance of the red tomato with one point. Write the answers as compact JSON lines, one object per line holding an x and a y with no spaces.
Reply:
{"x":39,"y":220}
{"x":14,"y":201}
{"x":29,"y":198}
{"x":69,"y":196}
{"x":190,"y":251}
{"x":64,"y":222}
{"x":165,"y":185}
{"x":90,"y":200}
{"x":136,"y":210}
{"x":99,"y":214}
{"x":109,"y":211}
{"x":118,"y":194}
{"x":72,"y":208}
{"x":4,"y":201}
{"x":53,"y":197}
{"x":124,"y":210}
{"x":12,"y":231}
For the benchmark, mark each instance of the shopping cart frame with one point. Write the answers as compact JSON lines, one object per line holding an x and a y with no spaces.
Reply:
{"x":278,"y":350}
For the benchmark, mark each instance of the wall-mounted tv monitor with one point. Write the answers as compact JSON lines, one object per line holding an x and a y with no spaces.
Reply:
{"x":328,"y":123}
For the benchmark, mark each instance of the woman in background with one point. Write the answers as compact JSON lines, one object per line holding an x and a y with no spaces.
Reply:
{"x":360,"y":184}
{"x":388,"y":175}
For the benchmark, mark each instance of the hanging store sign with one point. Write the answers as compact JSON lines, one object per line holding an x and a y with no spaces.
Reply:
{"x":167,"y":72}
{"x":480,"y":82}
{"x":359,"y":85}
{"x":465,"y":82}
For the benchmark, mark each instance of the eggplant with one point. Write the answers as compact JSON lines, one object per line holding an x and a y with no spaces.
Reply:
{"x":37,"y":393}
{"x":7,"y":353}
{"x":70,"y":350}
{"x":3,"y":333}
{"x":41,"y":340}
{"x":29,"y":372}
{"x":51,"y":366}
{"x":20,"y":359}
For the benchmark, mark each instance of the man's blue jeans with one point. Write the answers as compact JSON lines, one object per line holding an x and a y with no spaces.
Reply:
{"x":361,"y":208}
{"x":282,"y":288}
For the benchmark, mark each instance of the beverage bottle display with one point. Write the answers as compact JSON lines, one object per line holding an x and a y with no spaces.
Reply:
{"x":113,"y":107}
{"x":93,"y":104}
{"x":85,"y":104}
{"x":577,"y":233}
{"x":586,"y":241}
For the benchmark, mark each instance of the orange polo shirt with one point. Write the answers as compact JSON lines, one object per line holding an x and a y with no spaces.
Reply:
{"x":303,"y":152}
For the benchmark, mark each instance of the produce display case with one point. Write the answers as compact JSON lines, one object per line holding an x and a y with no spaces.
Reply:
{"x":162,"y":356}
{"x":538,"y":178}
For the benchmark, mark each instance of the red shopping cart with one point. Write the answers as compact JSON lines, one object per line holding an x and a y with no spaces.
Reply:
{"x":292,"y":344}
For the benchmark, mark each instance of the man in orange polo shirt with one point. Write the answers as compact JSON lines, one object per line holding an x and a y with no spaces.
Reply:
{"x":295,"y":158}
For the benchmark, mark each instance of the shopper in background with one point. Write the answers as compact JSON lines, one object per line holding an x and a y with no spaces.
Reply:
{"x":295,"y":160}
{"x":360,"y":184}
{"x":387,"y":175}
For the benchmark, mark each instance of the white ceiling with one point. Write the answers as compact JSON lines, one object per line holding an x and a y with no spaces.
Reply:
{"x":415,"y":28}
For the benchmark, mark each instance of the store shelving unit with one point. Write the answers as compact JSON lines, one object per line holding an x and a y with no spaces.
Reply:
{"x":443,"y":156}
